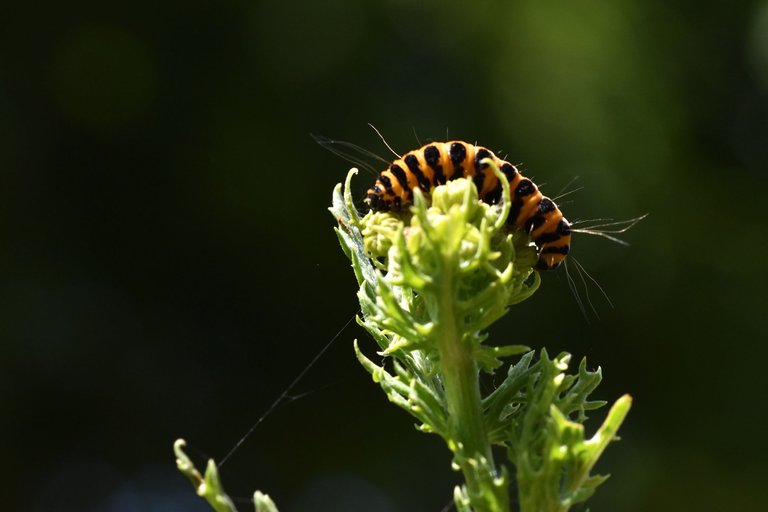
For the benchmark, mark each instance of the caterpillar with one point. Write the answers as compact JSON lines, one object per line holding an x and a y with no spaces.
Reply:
{"x":438,"y":162}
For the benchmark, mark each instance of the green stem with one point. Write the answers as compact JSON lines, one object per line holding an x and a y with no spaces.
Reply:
{"x":463,"y":400}
{"x":460,"y":378}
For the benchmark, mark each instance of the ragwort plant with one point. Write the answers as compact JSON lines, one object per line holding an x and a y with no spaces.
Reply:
{"x":431,"y":280}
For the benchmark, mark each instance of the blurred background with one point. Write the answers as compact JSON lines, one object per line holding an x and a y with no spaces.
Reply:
{"x":168,"y":265}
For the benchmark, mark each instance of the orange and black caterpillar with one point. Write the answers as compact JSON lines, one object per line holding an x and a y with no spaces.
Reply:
{"x":438,"y":162}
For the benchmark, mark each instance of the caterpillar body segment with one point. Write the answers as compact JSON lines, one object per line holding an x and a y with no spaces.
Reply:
{"x":436,"y":163}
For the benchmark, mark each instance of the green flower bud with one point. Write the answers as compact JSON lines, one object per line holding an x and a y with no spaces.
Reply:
{"x":456,"y":194}
{"x":379,"y":229}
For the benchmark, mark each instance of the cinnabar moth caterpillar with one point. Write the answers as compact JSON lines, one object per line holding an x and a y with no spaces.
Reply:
{"x":438,"y":162}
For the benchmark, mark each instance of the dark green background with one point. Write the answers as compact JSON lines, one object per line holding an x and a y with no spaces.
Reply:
{"x":168,"y":266}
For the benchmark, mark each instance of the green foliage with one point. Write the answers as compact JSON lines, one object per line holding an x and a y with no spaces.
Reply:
{"x":431,"y":281}
{"x":552,"y":458}
{"x":209,"y":487}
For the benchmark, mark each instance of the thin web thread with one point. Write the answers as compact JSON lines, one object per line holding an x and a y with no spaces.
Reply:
{"x":285,"y":393}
